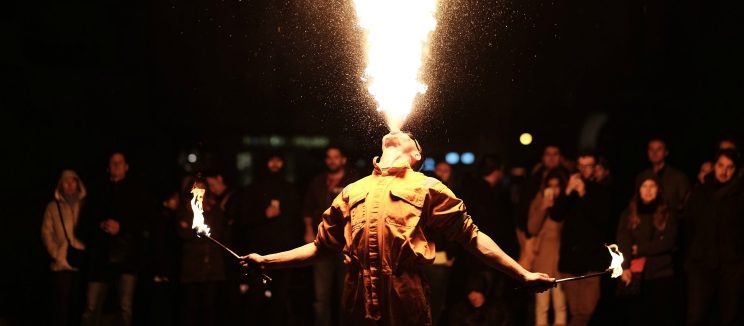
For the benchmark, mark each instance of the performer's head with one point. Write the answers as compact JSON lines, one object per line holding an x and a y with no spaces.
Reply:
{"x":406,"y":144}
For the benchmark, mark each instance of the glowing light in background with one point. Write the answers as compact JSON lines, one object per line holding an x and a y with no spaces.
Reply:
{"x":397,"y":33}
{"x":525,"y":139}
{"x":428,"y":164}
{"x":192,"y":158}
{"x":467,"y":158}
{"x":452,"y":158}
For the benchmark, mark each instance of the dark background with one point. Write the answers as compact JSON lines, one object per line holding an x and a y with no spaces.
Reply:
{"x":161,"y":78}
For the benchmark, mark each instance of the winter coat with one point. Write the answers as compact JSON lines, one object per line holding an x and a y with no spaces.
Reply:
{"x":52,"y":232}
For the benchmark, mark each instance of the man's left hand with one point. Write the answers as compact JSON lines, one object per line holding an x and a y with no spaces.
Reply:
{"x":539,"y":282}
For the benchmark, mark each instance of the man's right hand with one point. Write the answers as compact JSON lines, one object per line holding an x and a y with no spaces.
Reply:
{"x":252,"y":261}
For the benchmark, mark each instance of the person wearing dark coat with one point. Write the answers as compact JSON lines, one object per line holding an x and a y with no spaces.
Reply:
{"x":715,"y":264}
{"x":272,"y":226}
{"x":584,"y":211}
{"x":202,"y":265}
{"x":647,"y":234}
{"x":488,"y":201}
{"x":115,"y":229}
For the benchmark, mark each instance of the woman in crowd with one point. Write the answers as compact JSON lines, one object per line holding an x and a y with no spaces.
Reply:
{"x":58,"y":234}
{"x":647,"y":235}
{"x":547,"y":243}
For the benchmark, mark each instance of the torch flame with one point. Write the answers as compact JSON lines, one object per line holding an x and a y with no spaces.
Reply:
{"x":397,"y":33}
{"x":617,"y":261}
{"x":196,"y":207}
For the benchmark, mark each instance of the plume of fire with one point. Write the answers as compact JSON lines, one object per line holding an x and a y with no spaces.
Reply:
{"x":196,"y":206}
{"x":397,"y":33}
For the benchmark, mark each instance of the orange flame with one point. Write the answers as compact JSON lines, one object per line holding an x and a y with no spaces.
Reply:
{"x":197,"y":208}
{"x":397,"y":33}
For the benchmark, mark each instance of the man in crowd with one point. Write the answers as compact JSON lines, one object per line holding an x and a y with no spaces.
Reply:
{"x":115,"y":225}
{"x":585,"y":210}
{"x":321,"y":192}
{"x":674,"y":184}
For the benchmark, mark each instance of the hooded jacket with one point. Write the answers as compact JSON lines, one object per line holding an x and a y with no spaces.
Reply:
{"x":52,"y":232}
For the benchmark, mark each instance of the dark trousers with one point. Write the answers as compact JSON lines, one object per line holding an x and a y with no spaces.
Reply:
{"x":720,"y":287}
{"x":656,"y":303}
{"x":162,"y":307}
{"x":582,"y":297}
{"x":65,"y":301}
{"x":96,"y":297}
{"x":201,"y":303}
{"x":270,"y":304}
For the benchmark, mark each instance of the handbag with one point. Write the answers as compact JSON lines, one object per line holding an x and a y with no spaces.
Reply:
{"x":75,"y":257}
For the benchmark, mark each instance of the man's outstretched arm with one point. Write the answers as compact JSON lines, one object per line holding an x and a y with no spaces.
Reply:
{"x":490,"y":253}
{"x":329,"y":241}
{"x":297,"y":257}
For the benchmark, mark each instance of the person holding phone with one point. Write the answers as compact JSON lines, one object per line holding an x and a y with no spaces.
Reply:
{"x":547,"y":233}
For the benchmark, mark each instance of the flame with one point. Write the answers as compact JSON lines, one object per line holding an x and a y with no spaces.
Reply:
{"x":397,"y":33}
{"x":196,"y":207}
{"x":617,"y":261}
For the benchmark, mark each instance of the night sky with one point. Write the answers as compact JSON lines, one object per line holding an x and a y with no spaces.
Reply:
{"x":157,"y":78}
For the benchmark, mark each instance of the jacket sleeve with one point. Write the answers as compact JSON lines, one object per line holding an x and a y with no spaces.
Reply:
{"x":562,"y":206}
{"x":536,"y":215}
{"x":55,"y":249}
{"x":449,"y":216}
{"x":331,"y":228}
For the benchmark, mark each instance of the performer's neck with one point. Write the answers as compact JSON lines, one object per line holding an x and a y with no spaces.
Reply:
{"x":389,"y":157}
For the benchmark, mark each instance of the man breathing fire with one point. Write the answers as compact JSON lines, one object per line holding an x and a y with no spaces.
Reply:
{"x":382,"y":224}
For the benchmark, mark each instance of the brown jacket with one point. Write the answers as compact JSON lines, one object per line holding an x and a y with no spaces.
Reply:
{"x":382,"y":224}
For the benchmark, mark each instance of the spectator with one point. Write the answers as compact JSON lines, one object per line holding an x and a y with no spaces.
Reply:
{"x":551,"y":160}
{"x":674,"y":183}
{"x":488,"y":201}
{"x":602,"y":173}
{"x":165,"y":261}
{"x":547,"y":233}
{"x":478,"y":309}
{"x":202,"y":264}
{"x":58,"y":232}
{"x":231,"y":203}
{"x":647,"y":235}
{"x":707,"y":166}
{"x":715,"y":263}
{"x":323,"y":189}
{"x":584,"y":209}
{"x":119,"y":211}
{"x":438,"y":272}
{"x":443,"y":171}
{"x":273,"y":217}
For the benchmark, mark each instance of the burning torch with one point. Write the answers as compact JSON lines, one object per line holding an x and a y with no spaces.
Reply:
{"x":615,"y":269}
{"x":202,"y":230}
